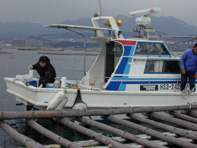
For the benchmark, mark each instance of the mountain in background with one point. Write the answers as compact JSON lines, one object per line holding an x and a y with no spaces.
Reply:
{"x":164,"y":25}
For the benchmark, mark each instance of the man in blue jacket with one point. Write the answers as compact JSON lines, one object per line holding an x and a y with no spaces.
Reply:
{"x":189,"y":68}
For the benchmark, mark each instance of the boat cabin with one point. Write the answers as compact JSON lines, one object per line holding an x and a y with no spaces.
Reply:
{"x":131,"y":64}
{"x":122,"y":63}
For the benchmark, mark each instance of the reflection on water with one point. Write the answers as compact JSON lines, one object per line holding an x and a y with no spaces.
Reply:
{"x":17,"y":63}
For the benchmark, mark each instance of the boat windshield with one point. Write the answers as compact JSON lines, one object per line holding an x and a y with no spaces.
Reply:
{"x":162,"y":66}
{"x":151,"y":48}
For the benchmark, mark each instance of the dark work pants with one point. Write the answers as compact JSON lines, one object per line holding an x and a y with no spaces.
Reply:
{"x":184,"y":80}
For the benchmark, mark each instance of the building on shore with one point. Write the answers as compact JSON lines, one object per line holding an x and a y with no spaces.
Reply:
{"x":27,"y":43}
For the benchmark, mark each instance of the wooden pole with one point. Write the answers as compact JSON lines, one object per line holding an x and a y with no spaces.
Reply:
{"x":6,"y":115}
{"x":169,"y":128}
{"x":184,"y":117}
{"x":151,"y":132}
{"x":26,"y":141}
{"x":192,"y":113}
{"x":91,"y":143}
{"x":168,"y":118}
{"x":121,"y":133}
{"x":103,"y":139}
{"x":60,"y":140}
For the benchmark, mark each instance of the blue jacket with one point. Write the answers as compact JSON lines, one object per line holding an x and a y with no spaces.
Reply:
{"x":189,"y":61}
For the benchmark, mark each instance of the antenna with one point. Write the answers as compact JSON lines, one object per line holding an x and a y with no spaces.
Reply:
{"x":100,"y":7}
{"x":143,"y":21}
{"x":145,"y":12}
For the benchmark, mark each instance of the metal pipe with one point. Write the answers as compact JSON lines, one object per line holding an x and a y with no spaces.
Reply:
{"x":6,"y":115}
{"x":176,"y":121}
{"x":56,"y":138}
{"x":26,"y":141}
{"x":151,"y":132}
{"x":84,"y":66}
{"x":121,"y":133}
{"x":103,"y":139}
{"x":178,"y":131}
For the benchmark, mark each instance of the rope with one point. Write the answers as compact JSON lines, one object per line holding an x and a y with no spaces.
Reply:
{"x":185,"y":94}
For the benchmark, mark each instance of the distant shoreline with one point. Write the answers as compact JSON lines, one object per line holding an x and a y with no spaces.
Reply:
{"x":51,"y":53}
{"x":54,"y":51}
{"x":41,"y":49}
{"x":4,"y":52}
{"x":48,"y":48}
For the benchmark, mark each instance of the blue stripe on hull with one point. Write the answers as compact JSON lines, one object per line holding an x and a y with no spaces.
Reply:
{"x":148,"y":82}
{"x":113,"y":86}
{"x":125,"y":78}
{"x":129,"y":50}
{"x":122,"y":65}
{"x":121,"y":85}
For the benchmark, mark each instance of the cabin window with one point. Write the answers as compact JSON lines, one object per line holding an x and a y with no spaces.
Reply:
{"x":113,"y":53}
{"x":118,"y":53}
{"x":151,"y":48}
{"x":162,"y":66}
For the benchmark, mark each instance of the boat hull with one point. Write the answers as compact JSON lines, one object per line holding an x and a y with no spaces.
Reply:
{"x":41,"y":97}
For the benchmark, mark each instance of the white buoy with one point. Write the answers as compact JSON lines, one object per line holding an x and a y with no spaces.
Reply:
{"x":53,"y":103}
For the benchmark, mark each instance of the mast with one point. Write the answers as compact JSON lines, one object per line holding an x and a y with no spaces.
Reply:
{"x":100,"y":7}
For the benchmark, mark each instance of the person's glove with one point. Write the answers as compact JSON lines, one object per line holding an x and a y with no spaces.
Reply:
{"x":40,"y":86}
{"x":30,"y":67}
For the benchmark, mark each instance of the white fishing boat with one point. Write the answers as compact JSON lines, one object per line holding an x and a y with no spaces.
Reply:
{"x":127,"y":73}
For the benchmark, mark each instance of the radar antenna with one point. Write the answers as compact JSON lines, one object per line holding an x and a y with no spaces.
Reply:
{"x":142,"y":23}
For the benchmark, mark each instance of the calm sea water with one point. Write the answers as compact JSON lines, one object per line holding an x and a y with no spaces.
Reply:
{"x":17,"y":63}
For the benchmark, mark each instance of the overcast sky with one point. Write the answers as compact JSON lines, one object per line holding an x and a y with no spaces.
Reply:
{"x":55,"y":11}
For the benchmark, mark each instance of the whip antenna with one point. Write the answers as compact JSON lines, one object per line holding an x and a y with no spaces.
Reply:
{"x":100,"y":7}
